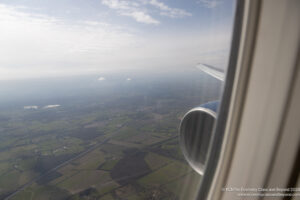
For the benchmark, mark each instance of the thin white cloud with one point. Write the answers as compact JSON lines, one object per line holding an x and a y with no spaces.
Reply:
{"x":131,"y":9}
{"x":141,"y":17}
{"x":139,"y":12}
{"x":209,"y":3}
{"x":94,"y":23}
{"x":30,"y":107}
{"x":51,"y":46}
{"x":43,"y":46}
{"x":168,"y":11}
{"x":117,"y":4}
{"x":51,"y":106}
{"x":128,"y":79}
{"x":101,"y":78}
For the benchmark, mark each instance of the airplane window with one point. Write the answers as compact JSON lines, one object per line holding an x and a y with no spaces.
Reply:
{"x":101,"y":99}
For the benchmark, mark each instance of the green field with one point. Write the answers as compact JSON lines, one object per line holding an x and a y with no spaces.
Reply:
{"x":156,"y":161}
{"x":164,"y":175}
{"x":112,"y":141}
{"x":109,"y":164}
{"x":90,"y":161}
{"x":84,"y":180}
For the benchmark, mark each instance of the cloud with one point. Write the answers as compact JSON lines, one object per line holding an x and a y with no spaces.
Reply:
{"x":141,"y":17}
{"x":51,"y":106}
{"x":94,"y":23}
{"x":45,"y":107}
{"x":131,"y":9}
{"x":139,"y":11}
{"x":51,"y":46}
{"x":209,"y":3}
{"x":101,"y":78}
{"x":119,"y":4}
{"x":176,"y":50}
{"x":37,"y":46}
{"x":30,"y":107}
{"x":128,"y":79}
{"x":170,"y":12}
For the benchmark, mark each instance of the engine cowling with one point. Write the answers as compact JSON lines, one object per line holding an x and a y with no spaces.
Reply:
{"x":195,"y":133}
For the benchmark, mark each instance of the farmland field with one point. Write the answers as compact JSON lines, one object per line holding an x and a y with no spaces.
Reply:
{"x":114,"y":139}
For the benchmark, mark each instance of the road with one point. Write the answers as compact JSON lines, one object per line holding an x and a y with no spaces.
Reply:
{"x":64,"y":163}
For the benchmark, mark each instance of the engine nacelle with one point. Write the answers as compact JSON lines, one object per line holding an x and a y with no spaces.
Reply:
{"x":195,"y":133}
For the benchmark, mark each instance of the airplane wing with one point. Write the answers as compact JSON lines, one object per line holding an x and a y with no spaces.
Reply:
{"x":213,"y":71}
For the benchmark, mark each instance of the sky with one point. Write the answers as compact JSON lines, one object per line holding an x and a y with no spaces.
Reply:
{"x":52,"y":38}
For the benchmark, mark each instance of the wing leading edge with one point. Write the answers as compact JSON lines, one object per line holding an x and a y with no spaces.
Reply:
{"x":213,"y":71}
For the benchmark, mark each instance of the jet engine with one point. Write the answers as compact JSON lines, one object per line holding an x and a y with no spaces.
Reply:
{"x":195,"y":133}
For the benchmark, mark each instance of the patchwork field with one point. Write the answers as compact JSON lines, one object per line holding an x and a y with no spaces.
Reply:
{"x":105,"y":141}
{"x":164,"y":175}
